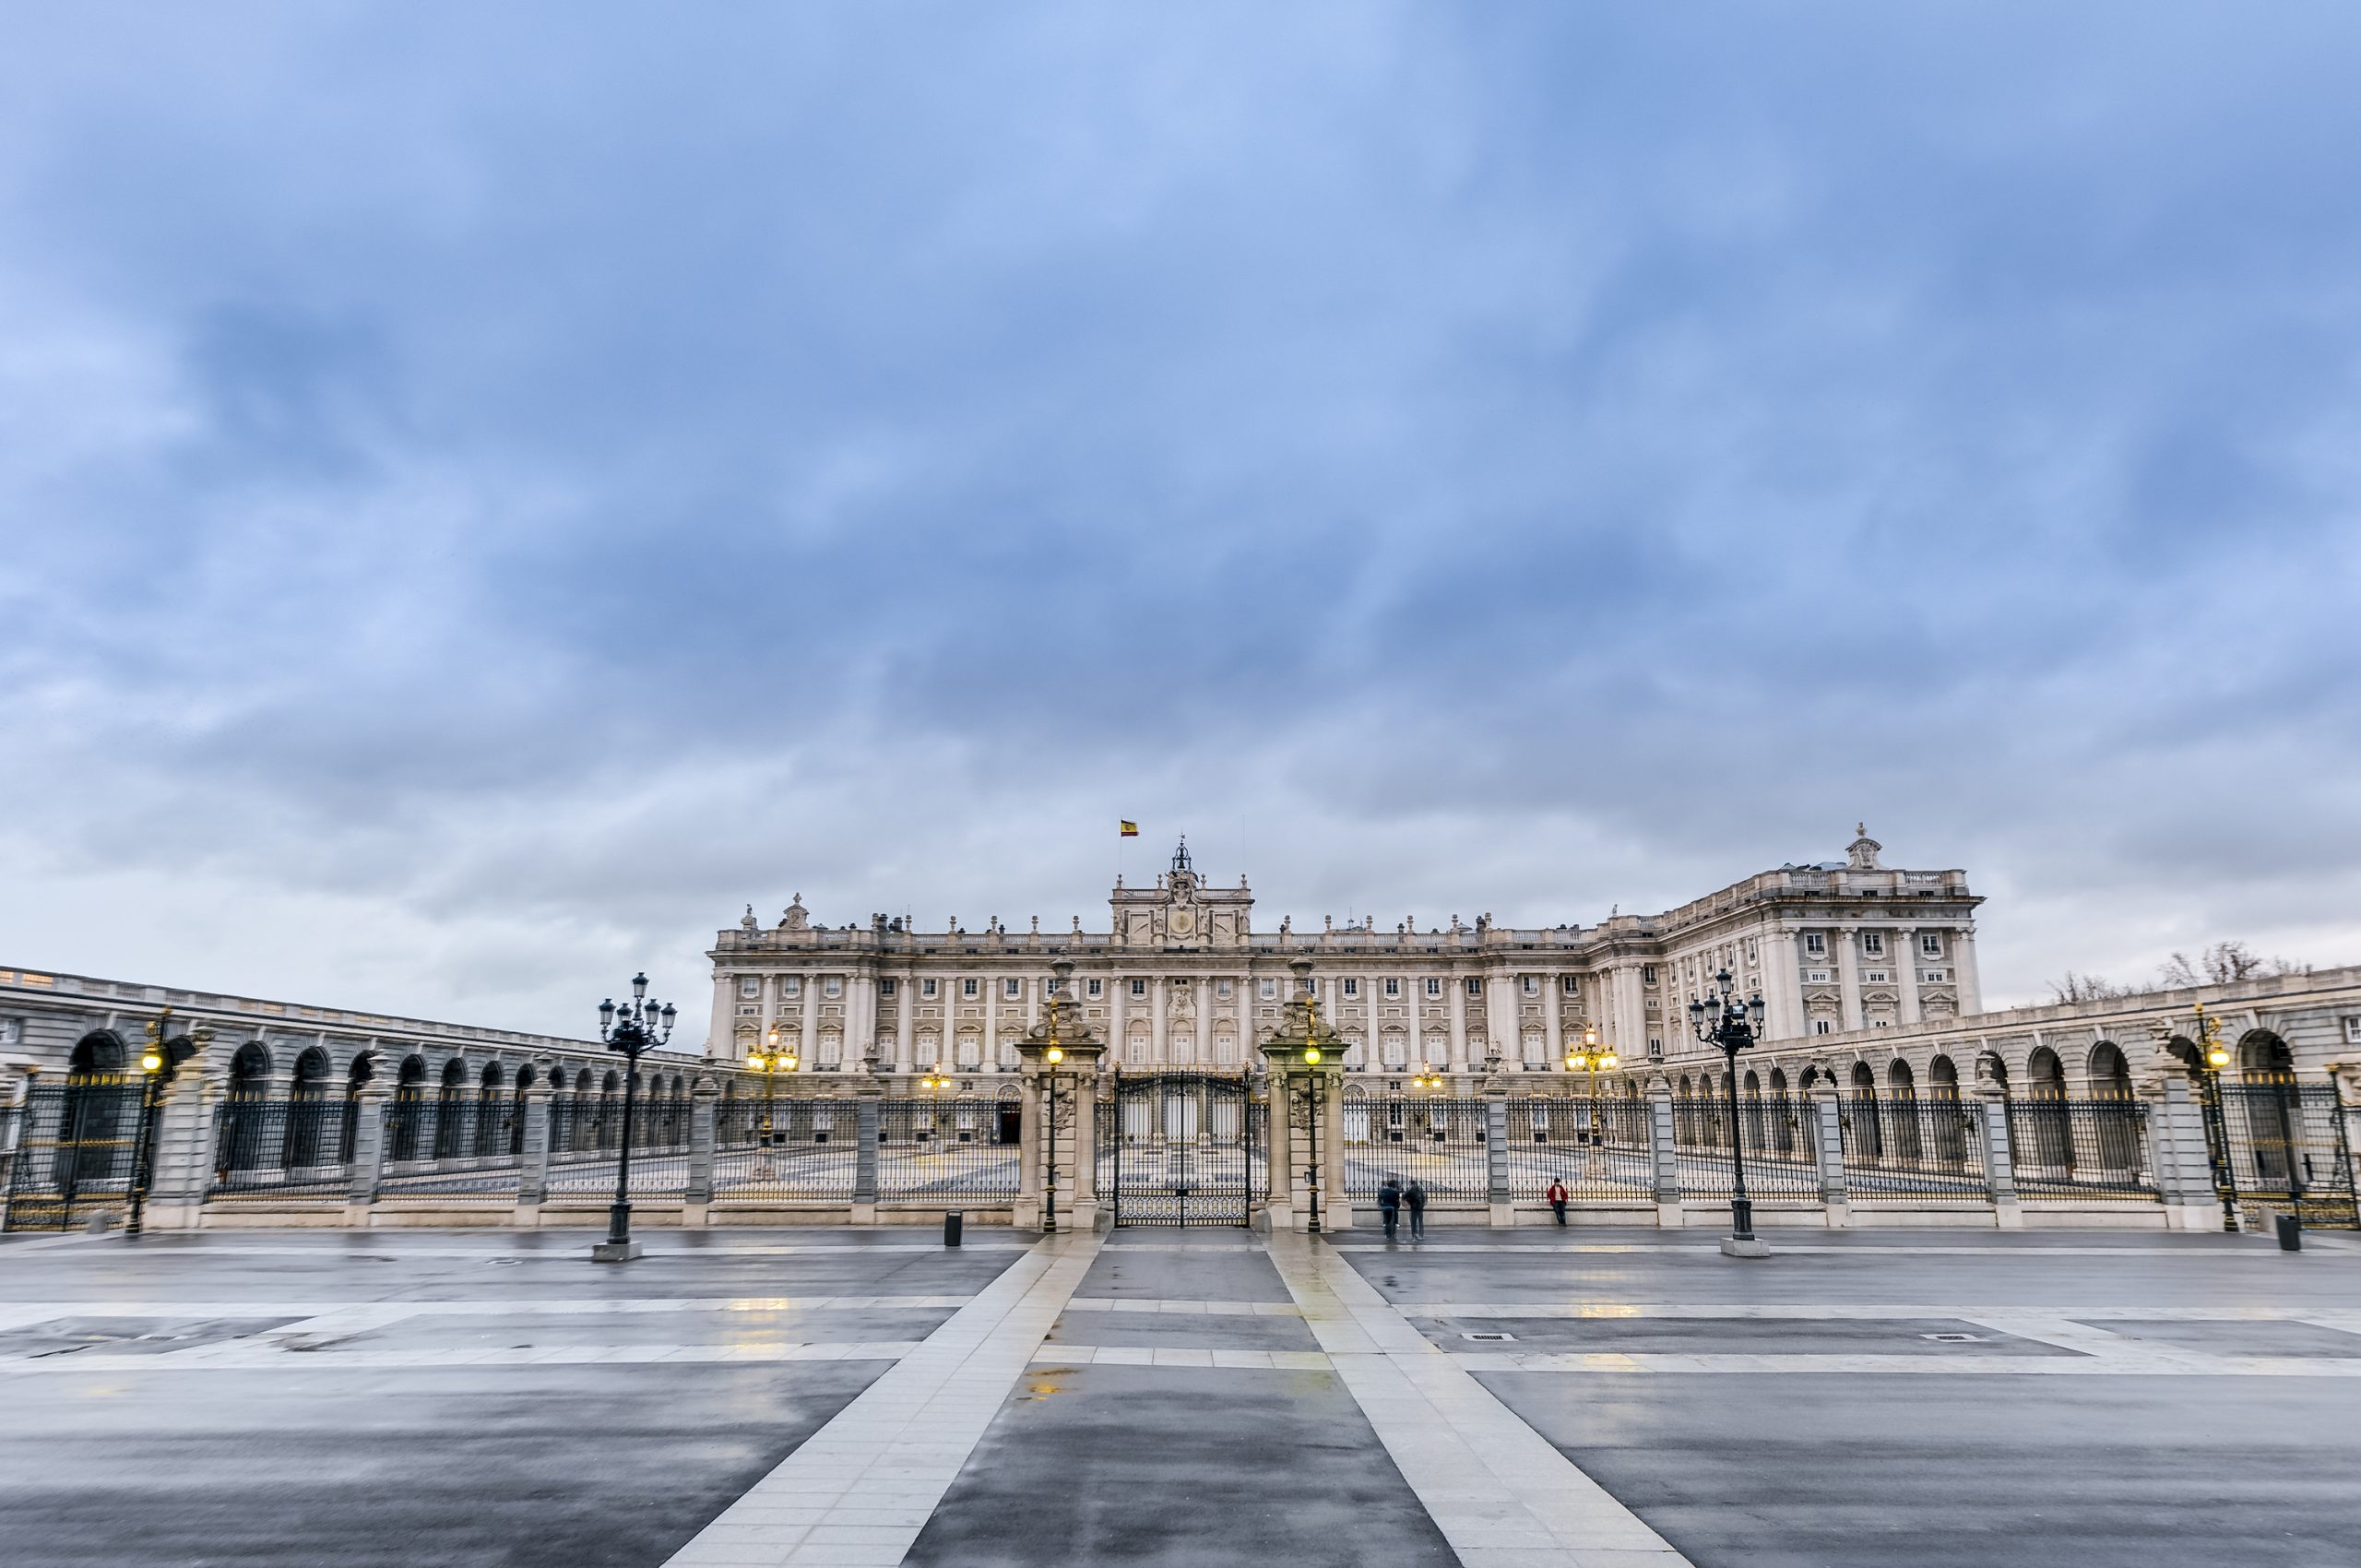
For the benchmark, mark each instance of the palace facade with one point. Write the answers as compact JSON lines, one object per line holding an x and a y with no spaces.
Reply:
{"x":1180,"y":978}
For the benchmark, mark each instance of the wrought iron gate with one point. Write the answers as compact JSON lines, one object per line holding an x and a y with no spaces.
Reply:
{"x":1180,"y":1148}
{"x":2282,"y":1145}
{"x":81,"y":1149}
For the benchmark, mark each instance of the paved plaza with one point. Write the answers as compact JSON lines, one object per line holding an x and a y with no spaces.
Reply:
{"x":1592,"y":1398}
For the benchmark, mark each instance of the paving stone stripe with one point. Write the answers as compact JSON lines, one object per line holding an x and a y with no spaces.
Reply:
{"x":1202,"y":1309}
{"x":1778,"y":1246}
{"x":2160,"y":1365}
{"x":1503,"y":1496}
{"x":859,"y":1490}
{"x":1179,"y":1356}
{"x":247,"y":1357}
{"x":2331,"y":1317}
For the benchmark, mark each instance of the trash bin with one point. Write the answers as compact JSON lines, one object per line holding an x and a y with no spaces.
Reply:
{"x":2291,"y":1233}
{"x":952,"y":1221}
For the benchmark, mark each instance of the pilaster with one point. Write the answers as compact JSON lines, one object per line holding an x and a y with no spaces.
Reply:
{"x":2000,"y":1160}
{"x":1661,"y":1149}
{"x":1824,"y":1115}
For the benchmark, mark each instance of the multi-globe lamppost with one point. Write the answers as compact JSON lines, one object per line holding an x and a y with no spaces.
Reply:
{"x":637,"y":1025}
{"x":770,"y":1067}
{"x":1589,"y":1058}
{"x":2211,"y":1057}
{"x":1731,"y":1025}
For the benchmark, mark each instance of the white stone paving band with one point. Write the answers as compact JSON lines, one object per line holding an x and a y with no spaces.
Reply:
{"x":858,"y":1492}
{"x":1501,"y":1494}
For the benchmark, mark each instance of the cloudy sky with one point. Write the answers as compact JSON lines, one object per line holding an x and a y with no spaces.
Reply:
{"x":489,"y":491}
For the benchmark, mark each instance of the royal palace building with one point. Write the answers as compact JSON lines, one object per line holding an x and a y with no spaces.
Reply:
{"x":1180,"y":977}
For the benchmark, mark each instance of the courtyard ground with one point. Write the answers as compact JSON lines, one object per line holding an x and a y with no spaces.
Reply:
{"x":1591,"y":1397}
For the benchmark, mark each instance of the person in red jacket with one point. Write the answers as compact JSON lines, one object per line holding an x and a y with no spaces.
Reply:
{"x":1557,"y":1196}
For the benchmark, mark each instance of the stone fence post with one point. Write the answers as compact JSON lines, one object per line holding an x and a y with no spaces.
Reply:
{"x":533,"y":1158}
{"x":869,"y":1118}
{"x":1660,"y":1144}
{"x":1825,"y":1113}
{"x":2176,"y":1153}
{"x":368,"y":1168}
{"x":696,"y":1194}
{"x":1496,"y":1152}
{"x":182,"y":1161}
{"x":1999,"y":1157}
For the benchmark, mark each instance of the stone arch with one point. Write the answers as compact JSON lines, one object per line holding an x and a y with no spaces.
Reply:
{"x":489,"y":1079}
{"x":1901,"y":1080}
{"x":412,"y":1074}
{"x":1807,"y":1078}
{"x":2110,"y":1075}
{"x":526,"y":1077}
{"x":1942,"y":1078}
{"x":1865,"y":1079}
{"x":97,"y":1055}
{"x":250,"y":1068}
{"x":2044,"y":1075}
{"x":454,"y":1074}
{"x":311,"y":1072}
{"x":2265,"y":1057}
{"x":1778,"y":1082}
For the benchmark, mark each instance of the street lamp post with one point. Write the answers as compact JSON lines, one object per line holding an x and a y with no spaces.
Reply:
{"x":164,"y":1054}
{"x":1731,"y":1025}
{"x":2211,"y":1057}
{"x":1588,"y":1057}
{"x":639,"y":1025}
{"x":1304,"y":1050}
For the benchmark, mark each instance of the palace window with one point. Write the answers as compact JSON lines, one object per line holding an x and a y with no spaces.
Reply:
{"x":1875,"y":976}
{"x":1011,"y":989}
{"x":1475,"y":986}
{"x":1352,"y":986}
{"x":884,"y":988}
{"x":1816,"y":977}
{"x":1816,"y":944}
{"x":1393,"y":987}
{"x":1570,"y":985}
{"x":1933,"y":977}
{"x":1873,"y":943}
{"x":1139,"y":987}
{"x":1931,"y":944}
{"x":1647,"y":974}
{"x":1823,"y":1027}
{"x":790,"y":985}
{"x":1533,"y":985}
{"x":833,"y":986}
{"x":1271,"y":990}
{"x":970,"y":988}
{"x":1751,"y":952}
{"x":1095,"y":988}
{"x":926,"y":988}
{"x":1221,"y":988}
{"x":1434,"y":986}
{"x":751,"y":988}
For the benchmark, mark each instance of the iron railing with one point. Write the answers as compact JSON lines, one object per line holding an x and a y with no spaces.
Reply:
{"x":2081,"y":1149}
{"x":1598,"y":1148}
{"x":80,"y":1143}
{"x":290,"y":1147}
{"x":1442,"y":1143}
{"x":2283,"y":1145}
{"x":1904,"y":1149}
{"x":588,"y":1129}
{"x":946,"y":1152}
{"x":1779,"y":1158}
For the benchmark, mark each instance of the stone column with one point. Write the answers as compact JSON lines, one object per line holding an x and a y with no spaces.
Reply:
{"x":1822,"y":1123}
{"x":1999,"y":1163}
{"x":1971,"y":986}
{"x":906,"y":1021}
{"x":1496,"y":1152}
{"x":1119,"y":996}
{"x":1782,"y":992}
{"x":1906,"y":970}
{"x":696,"y":1196}
{"x":1848,"y":975}
{"x":182,"y":1161}
{"x":1335,"y":1209}
{"x":368,"y":1166}
{"x":1278,"y":1136}
{"x":1553,"y":1019}
{"x":1078,"y":1199}
{"x":808,"y":1048}
{"x":1160,"y":1021}
{"x":722,"y":1036}
{"x":988,"y":1052}
{"x":1660,"y":1146}
{"x":1458,"y":1020}
{"x":533,"y":1168}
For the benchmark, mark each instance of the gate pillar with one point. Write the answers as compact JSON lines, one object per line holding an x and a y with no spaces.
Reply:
{"x":1057,"y":1189}
{"x":1306,"y":1114}
{"x":1496,"y":1196}
{"x":1999,"y":1156}
{"x":533,"y":1161}
{"x":2183,"y":1166}
{"x":1826,"y":1116}
{"x":1663,"y":1152}
{"x":182,"y":1157}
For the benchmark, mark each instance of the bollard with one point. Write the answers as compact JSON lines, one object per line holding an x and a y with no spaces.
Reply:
{"x":952,"y":1221}
{"x":2291,"y":1233}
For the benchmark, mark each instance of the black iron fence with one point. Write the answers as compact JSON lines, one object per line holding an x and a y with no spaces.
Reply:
{"x":780,"y":1150}
{"x":297,"y":1147}
{"x":2081,"y":1149}
{"x":80,"y":1148}
{"x":946,"y":1152}
{"x":586,"y":1141}
{"x":1443,"y":1145}
{"x":1905,"y":1149}
{"x":1598,"y":1148}
{"x":2283,"y":1145}
{"x":1780,"y":1162}
{"x":1181,"y":1147}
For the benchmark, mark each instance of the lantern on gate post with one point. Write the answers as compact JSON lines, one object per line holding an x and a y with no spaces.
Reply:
{"x":1060,"y":1054}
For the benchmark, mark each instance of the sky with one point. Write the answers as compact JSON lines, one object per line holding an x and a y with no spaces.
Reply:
{"x":486,"y":494}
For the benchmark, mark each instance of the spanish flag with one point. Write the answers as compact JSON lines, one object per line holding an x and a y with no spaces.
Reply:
{"x":1131,"y":829}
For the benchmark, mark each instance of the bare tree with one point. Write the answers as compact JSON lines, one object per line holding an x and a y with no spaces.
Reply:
{"x":2221,"y":963}
{"x":2085,"y":988}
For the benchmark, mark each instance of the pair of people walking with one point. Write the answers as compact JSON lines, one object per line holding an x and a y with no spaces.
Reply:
{"x":1393,"y":1198}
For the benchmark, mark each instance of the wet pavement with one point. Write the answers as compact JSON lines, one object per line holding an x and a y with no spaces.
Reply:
{"x":1859,"y":1399}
